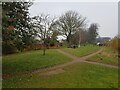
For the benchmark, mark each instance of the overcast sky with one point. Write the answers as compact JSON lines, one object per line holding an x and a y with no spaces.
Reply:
{"x":103,"y":13}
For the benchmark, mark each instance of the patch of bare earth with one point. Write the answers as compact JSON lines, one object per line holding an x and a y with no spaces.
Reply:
{"x":56,"y":71}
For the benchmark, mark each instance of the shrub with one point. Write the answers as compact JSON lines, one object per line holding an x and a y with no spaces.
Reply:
{"x":8,"y":49}
{"x":114,"y":43}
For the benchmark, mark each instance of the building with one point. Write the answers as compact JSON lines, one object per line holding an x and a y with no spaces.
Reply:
{"x":102,"y":40}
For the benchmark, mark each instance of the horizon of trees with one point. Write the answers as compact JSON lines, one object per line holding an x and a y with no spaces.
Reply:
{"x":19,"y":30}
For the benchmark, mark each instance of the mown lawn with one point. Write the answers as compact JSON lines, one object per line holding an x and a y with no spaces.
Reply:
{"x":29,"y":61}
{"x":80,"y":75}
{"x":107,"y":56}
{"x":82,"y":50}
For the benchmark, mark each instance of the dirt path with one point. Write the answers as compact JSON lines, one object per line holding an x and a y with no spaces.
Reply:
{"x":60,"y":68}
{"x":111,"y":66}
{"x":86,"y":57}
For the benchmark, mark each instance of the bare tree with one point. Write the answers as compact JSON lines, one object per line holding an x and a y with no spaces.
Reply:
{"x":43,"y":27}
{"x":80,"y":37}
{"x":69,"y":23}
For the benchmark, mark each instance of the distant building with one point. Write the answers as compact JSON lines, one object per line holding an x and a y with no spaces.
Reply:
{"x":102,"y":40}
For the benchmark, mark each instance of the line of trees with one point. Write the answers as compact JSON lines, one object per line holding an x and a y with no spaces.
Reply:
{"x":19,"y":30}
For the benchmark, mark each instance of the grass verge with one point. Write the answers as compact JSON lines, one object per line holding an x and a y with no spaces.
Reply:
{"x":107,"y":56}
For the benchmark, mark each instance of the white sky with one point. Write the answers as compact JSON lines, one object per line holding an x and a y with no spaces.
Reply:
{"x":103,"y":13}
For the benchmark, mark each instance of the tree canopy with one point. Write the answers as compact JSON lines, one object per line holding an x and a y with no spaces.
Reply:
{"x":43,"y":26}
{"x":93,"y":32}
{"x":16,"y":27}
{"x":69,"y":23}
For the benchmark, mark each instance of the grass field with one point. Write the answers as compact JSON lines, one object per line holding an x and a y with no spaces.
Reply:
{"x":83,"y":50}
{"x":80,"y":75}
{"x":29,"y":61}
{"x":107,"y":56}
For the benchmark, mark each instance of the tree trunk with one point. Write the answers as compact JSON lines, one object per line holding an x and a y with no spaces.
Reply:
{"x":44,"y":49}
{"x":68,"y":41}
